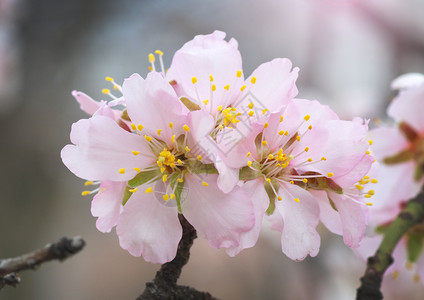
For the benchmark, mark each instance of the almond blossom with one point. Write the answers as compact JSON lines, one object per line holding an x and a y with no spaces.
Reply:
{"x":149,"y":167}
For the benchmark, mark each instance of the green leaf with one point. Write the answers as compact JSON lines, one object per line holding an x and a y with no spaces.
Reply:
{"x":178,"y":192}
{"x":382,"y":228}
{"x":197,"y":167}
{"x":271,"y":194}
{"x":127,"y":195}
{"x":271,"y":208}
{"x":189,"y":104}
{"x":247,"y":173}
{"x":418,"y":173}
{"x":143,"y":177}
{"x":125,"y":116}
{"x":332,"y":203}
{"x":401,"y":157}
{"x":414,"y":245}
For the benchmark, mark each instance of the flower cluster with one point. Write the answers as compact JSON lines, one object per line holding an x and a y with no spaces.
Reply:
{"x":224,"y":151}
{"x":400,"y":151}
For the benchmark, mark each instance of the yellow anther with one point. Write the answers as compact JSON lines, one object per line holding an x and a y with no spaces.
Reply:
{"x":193,"y":80}
{"x":148,"y":138}
{"x":122,"y":171}
{"x":367,"y":196}
{"x":395,"y":274}
{"x":270,"y":156}
{"x":179,"y":161}
{"x":165,"y":197}
{"x":205,"y":183}
{"x":220,"y":126}
{"x":417,"y":278}
{"x":210,"y":77}
{"x":171,"y":125}
{"x":186,"y":128}
{"x":164,"y":178}
{"x":88,"y":183}
{"x":264,"y":111}
{"x":133,"y":126}
{"x":309,"y":159}
{"x":173,"y":138}
{"x":106,"y":91}
{"x":159,"y":163}
{"x":296,"y":199}
{"x":251,"y":113}
{"x":368,"y":152}
{"x":279,"y":198}
{"x":158,"y":52}
{"x":149,"y":68}
{"x":135,"y":152}
{"x":206,"y":101}
{"x":132,"y":190}
{"x":298,"y":138}
{"x":374,"y":180}
{"x":109,"y":78}
{"x":266,"y":125}
{"x":310,"y":127}
{"x":366,"y":177}
{"x":281,"y":118}
{"x":180,"y":180}
{"x":227,"y":87}
{"x":269,"y":180}
{"x":199,"y":157}
{"x":219,"y":108}
{"x":329,"y":174}
{"x":172,"y":196}
{"x":264,"y":142}
{"x":242,"y":88}
{"x":307,"y":117}
{"x":253,"y":80}
{"x":162,"y":169}
{"x":359,"y":187}
{"x":138,"y":170}
{"x":291,"y":182}
{"x":250,"y":105}
{"x":323,"y":158}
{"x":140,"y":127}
{"x":151,"y":58}
{"x":187,"y":149}
{"x":213,"y":87}
{"x":370,"y":142}
{"x":369,"y":203}
{"x":172,"y":165}
{"x":149,"y":190}
{"x":249,"y":163}
{"x":409,"y":265}
{"x":371,"y":192}
{"x":159,"y":131}
{"x":238,"y":73}
{"x":248,"y":154}
{"x":85,"y":193}
{"x":281,"y":132}
{"x":306,"y":149}
{"x":115,"y":87}
{"x":286,"y":133}
{"x":305,"y":180}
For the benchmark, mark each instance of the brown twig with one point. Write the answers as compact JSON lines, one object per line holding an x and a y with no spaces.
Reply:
{"x":60,"y":250}
{"x":411,"y":215}
{"x":164,"y":286}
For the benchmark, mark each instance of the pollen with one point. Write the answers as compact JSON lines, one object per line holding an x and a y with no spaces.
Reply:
{"x":122,"y":171}
{"x":132,"y":190}
{"x":253,"y":80}
{"x":227,"y":87}
{"x":329,"y":174}
{"x":149,"y":190}
{"x":173,"y":139}
{"x":305,"y":180}
{"x":148,"y":138}
{"x":279,"y":198}
{"x":249,"y":163}
{"x":368,"y":152}
{"x":162,"y":169}
{"x":371,"y":192}
{"x":135,"y":152}
{"x":213,"y":87}
{"x":251,"y":113}
{"x":309,"y":159}
{"x":206,"y":101}
{"x":264,"y":111}
{"x":186,"y":128}
{"x":172,"y":196}
{"x":106,"y":91}
{"x":298,"y":138}
{"x":359,"y":187}
{"x":180,"y":180}
{"x":242,"y":88}
{"x":281,"y":132}
{"x":250,"y":105}
{"x":264,"y":142}
{"x":133,"y":127}
{"x":164,"y":178}
{"x":281,"y":118}
{"x":296,"y":199}
{"x":266,"y":125}
{"x":110,"y":79}
{"x":368,"y":203}
{"x":306,"y":149}
{"x":205,"y":183}
{"x":88,"y":183}
{"x":219,"y":108}
{"x":310,"y":127}
{"x":138,"y":170}
{"x":370,"y":142}
{"x":140,"y":127}
{"x":269,"y":180}
{"x":367,"y":196}
{"x":187,"y":149}
{"x":159,"y":131}
{"x":193,"y":80}
{"x":158,"y":52}
{"x":179,"y":161}
{"x":307,"y":117}
{"x":199,"y":157}
{"x":151,"y":58}
{"x":85,"y":193}
{"x":323,"y":158}
{"x":248,"y":154}
{"x":270,"y":156}
{"x":165,"y":197}
{"x":238,"y":73}
{"x":171,"y":125}
{"x":291,"y":182}
{"x":211,"y":78}
{"x":374,"y":180}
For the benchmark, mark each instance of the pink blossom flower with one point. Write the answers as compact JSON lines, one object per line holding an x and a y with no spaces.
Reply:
{"x":305,"y":165}
{"x":153,"y":170}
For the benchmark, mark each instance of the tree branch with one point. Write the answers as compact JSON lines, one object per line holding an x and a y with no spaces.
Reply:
{"x":60,"y":250}
{"x":164,"y":286}
{"x":411,"y":215}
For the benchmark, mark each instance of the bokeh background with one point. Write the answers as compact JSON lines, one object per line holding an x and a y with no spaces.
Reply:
{"x":348,"y":51}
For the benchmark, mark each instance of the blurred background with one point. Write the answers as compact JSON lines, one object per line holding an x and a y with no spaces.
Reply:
{"x":348,"y":51}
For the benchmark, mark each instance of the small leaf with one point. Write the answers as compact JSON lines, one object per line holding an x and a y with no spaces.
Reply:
{"x":408,"y":131}
{"x":127,"y":195}
{"x":197,"y":167}
{"x":178,"y":192}
{"x":143,"y":177}
{"x":418,"y":173}
{"x":247,"y":173}
{"x":382,"y":228}
{"x":271,"y":194}
{"x":189,"y":104}
{"x":332,"y":203}
{"x":125,"y":116}
{"x":401,"y":157}
{"x":414,"y":245}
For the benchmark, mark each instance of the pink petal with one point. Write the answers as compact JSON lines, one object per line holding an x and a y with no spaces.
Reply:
{"x":106,"y":205}
{"x":102,"y":148}
{"x":404,"y":107}
{"x":87,"y":104}
{"x":358,"y":171}
{"x":248,"y":239}
{"x":154,"y":104}
{"x":299,"y":237}
{"x":148,"y":228}
{"x":328,"y":215}
{"x":228,"y":177}
{"x":218,"y":217}
{"x":203,"y":56}
{"x":407,"y":81}
{"x":387,"y":141}
{"x":275,"y":84}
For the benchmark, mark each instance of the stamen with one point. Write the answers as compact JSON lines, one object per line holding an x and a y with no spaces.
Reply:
{"x":370,"y":142}
{"x":133,"y":127}
{"x":227,"y":87}
{"x":193,"y":80}
{"x":149,"y":190}
{"x":238,"y":73}
{"x":330,"y":174}
{"x":205,"y":183}
{"x":148,"y":138}
{"x":199,"y":157}
{"x":132,"y":190}
{"x":171,"y":125}
{"x":164,"y":177}
{"x":122,"y":171}
{"x":165,"y":197}
{"x":307,"y":117}
{"x":88,"y":183}
{"x":242,"y":88}
{"x":253,"y":80}
{"x":211,"y":78}
{"x":135,"y":152}
{"x":137,"y":170}
{"x":85,"y":193}
{"x":159,"y":131}
{"x":140,"y":127}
